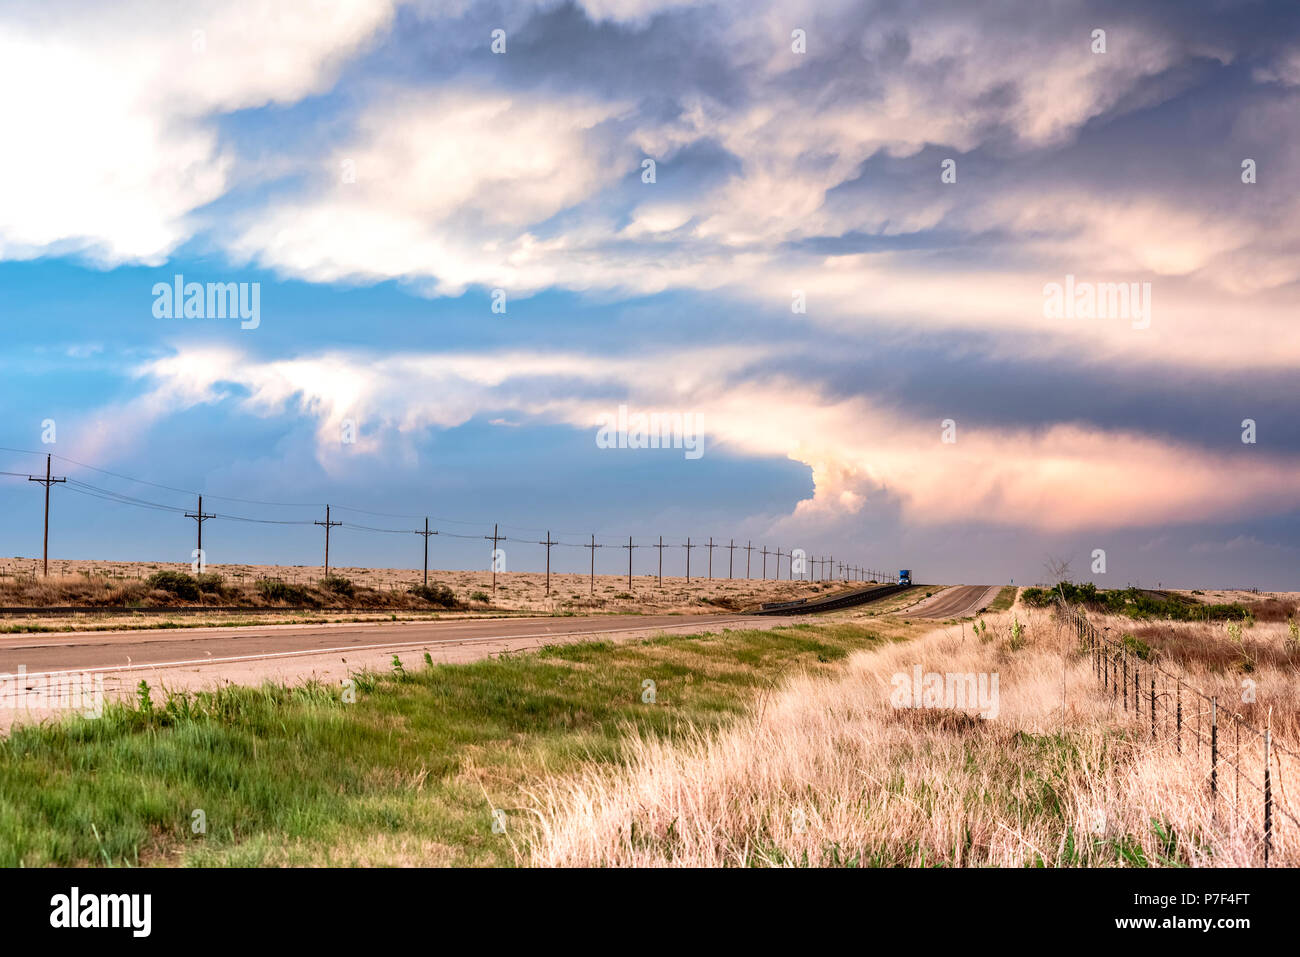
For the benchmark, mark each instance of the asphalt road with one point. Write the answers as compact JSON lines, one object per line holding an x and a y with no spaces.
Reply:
{"x":956,"y":602}
{"x":117,"y":650}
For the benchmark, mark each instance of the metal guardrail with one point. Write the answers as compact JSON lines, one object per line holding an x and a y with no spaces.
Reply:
{"x":770,"y":605}
{"x":859,"y":596}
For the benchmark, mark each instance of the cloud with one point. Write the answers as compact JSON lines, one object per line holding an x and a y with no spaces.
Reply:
{"x":444,"y":186}
{"x":111,"y":144}
{"x":1060,"y":478}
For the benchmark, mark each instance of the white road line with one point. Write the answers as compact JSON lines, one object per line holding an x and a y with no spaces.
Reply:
{"x":329,"y":651}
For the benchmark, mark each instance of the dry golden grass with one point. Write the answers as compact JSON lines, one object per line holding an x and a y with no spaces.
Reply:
{"x":1261,"y":663}
{"x":122,"y":583}
{"x":826,"y":771}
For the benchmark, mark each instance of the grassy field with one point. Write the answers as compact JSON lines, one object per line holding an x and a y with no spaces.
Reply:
{"x":831,"y":771}
{"x":757,"y":748}
{"x":1006,"y":598}
{"x":152,"y":595}
{"x":408,"y":774}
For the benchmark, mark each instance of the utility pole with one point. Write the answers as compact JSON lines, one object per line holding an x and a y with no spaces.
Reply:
{"x":711,"y":546}
{"x":688,"y":546}
{"x":629,"y":546}
{"x":593,"y":546}
{"x":426,"y":533}
{"x":548,"y":543}
{"x":748,"y":548}
{"x":731,"y":556}
{"x":778,"y":563}
{"x":764,"y":554}
{"x":47,"y":482}
{"x":200,"y":518}
{"x":328,"y":525}
{"x":494,"y":538}
{"x":660,"y":546}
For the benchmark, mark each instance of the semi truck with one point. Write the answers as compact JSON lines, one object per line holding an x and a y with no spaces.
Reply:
{"x":905,"y":576}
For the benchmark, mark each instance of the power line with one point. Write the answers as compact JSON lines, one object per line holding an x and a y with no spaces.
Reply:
{"x":122,"y":498}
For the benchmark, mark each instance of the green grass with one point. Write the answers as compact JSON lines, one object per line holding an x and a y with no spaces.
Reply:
{"x":1136,"y":603}
{"x":1006,"y":598}
{"x":407,"y":774}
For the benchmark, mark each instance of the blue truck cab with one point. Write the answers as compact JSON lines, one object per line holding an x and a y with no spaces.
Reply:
{"x":905,"y":576}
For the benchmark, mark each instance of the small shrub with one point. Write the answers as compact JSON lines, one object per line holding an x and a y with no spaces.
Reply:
{"x":174,"y":583}
{"x":146,"y":702}
{"x":1017,"y":634}
{"x":210,"y":582}
{"x":274,"y":590}
{"x":338,"y":585}
{"x":480,"y":596}
{"x":435,"y":594}
{"x":1137,"y":646}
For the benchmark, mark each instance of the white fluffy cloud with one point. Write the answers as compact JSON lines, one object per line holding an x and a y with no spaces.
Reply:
{"x":108,"y":112}
{"x":444,"y":186}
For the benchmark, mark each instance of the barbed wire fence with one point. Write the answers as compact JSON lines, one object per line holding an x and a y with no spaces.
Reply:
{"x":1245,"y":768}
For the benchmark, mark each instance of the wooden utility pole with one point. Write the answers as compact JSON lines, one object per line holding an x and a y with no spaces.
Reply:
{"x":711,"y":546}
{"x":764,"y":553}
{"x":629,"y":546}
{"x":328,"y":525}
{"x":200,"y":517}
{"x":548,"y":543}
{"x":688,"y":546}
{"x":661,"y":547}
{"x":593,"y":546}
{"x":47,"y":482}
{"x":778,"y":563}
{"x":748,"y":548}
{"x":426,"y":533}
{"x":731,"y":556}
{"x":494,"y":538}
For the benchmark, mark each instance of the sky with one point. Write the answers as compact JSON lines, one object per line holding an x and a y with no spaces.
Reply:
{"x":851,"y":246}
